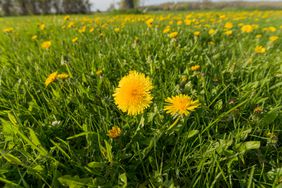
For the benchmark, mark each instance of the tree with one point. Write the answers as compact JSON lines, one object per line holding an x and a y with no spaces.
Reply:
{"x":129,"y":4}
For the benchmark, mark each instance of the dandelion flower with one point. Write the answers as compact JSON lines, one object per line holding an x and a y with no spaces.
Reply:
{"x":114,"y":132}
{"x":195,"y":67}
{"x":212,"y":32}
{"x":34,"y":37}
{"x":51,"y":78}
{"x":67,"y":17}
{"x":74,"y":40}
{"x":8,"y":30}
{"x":228,"y":25}
{"x":228,"y":32}
{"x":117,"y":30}
{"x":166,"y":30}
{"x":91,"y":29}
{"x":173,"y":35}
{"x":273,"y":38}
{"x":197,"y":33}
{"x":180,"y":105}
{"x":63,"y":76}
{"x":46,"y":44}
{"x":133,"y":93}
{"x":149,"y":22}
{"x":260,"y":49}
{"x":246,"y":28}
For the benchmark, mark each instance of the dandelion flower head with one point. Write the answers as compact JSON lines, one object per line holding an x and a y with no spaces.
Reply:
{"x":180,"y":105}
{"x":133,"y":93}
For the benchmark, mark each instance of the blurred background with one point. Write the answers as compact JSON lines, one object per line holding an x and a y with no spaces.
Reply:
{"x":35,"y":7}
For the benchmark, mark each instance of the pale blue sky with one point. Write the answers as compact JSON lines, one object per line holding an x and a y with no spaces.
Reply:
{"x":104,"y":4}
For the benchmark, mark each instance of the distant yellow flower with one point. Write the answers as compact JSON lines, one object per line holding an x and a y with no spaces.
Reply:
{"x":188,"y":22}
{"x":114,"y":132}
{"x":179,"y":22}
{"x":166,"y":30}
{"x":74,"y":40}
{"x":212,"y":32}
{"x":63,"y":76}
{"x":197,"y":33}
{"x":180,"y":105}
{"x":8,"y":30}
{"x":34,"y":37}
{"x":133,"y":93}
{"x":99,"y":72}
{"x":258,"y":36}
{"x":91,"y":29}
{"x":173,"y":35}
{"x":260,"y":49}
{"x":228,"y":25}
{"x":117,"y":30}
{"x":228,"y":32}
{"x":67,"y":17}
{"x":51,"y":78}
{"x":195,"y":67}
{"x":246,"y":28}
{"x":82,"y":29}
{"x":258,"y":109}
{"x":70,"y":25}
{"x":46,"y":44}
{"x":149,"y":22}
{"x":41,"y":26}
{"x":273,"y":38}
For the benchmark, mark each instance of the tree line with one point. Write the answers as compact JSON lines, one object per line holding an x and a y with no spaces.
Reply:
{"x":27,"y":7}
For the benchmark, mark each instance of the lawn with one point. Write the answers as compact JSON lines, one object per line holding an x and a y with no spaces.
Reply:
{"x":189,"y":99}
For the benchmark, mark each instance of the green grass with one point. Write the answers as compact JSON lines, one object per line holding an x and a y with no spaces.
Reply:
{"x":56,"y":136}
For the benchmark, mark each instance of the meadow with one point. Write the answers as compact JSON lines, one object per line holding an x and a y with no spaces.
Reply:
{"x":189,"y":99}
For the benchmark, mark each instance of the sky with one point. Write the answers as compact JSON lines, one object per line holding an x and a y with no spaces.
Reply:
{"x":104,"y":4}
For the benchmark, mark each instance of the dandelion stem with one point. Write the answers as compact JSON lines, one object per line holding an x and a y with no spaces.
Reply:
{"x":174,"y":123}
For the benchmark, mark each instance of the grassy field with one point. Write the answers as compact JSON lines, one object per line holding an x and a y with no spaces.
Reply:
{"x":85,"y":101}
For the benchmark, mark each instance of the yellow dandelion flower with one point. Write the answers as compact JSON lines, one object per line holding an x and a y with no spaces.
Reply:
{"x":51,"y":78}
{"x":197,"y":33}
{"x":114,"y":132}
{"x":258,"y":36}
{"x":46,"y":44}
{"x":166,"y":30}
{"x":273,"y":38}
{"x":260,"y":50}
{"x":74,"y":40}
{"x":212,"y":32}
{"x":228,"y":32}
{"x":8,"y":30}
{"x":67,"y":17}
{"x":41,"y":26}
{"x":34,"y":37}
{"x":173,"y":35}
{"x":63,"y":76}
{"x":99,"y":72}
{"x":188,"y":22}
{"x":117,"y":30}
{"x":180,"y":105}
{"x":149,"y":22}
{"x":179,"y":22}
{"x":91,"y":29}
{"x":82,"y":29}
{"x":70,"y":25}
{"x":246,"y":28}
{"x":258,"y":109}
{"x":228,"y":25}
{"x":195,"y":67}
{"x":133,"y":93}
